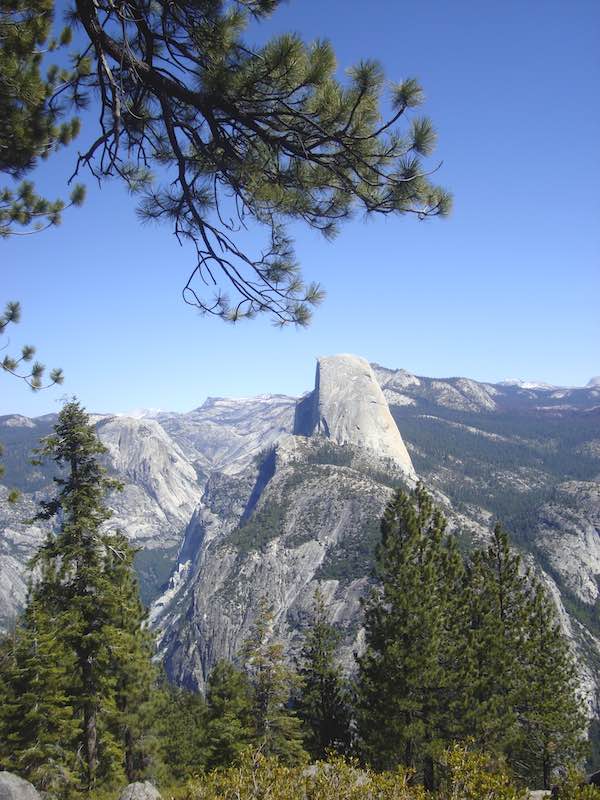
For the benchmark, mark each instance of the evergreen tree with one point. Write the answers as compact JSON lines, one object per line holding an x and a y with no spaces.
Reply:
{"x":525,"y":704}
{"x":180,"y":729}
{"x":229,"y":714}
{"x":31,"y":126}
{"x":497,"y":590}
{"x":411,"y":673}
{"x":277,"y":729}
{"x":132,"y":648}
{"x":551,"y":715}
{"x":179,"y":87}
{"x":86,"y":587}
{"x":324,"y":697}
{"x":38,"y":726}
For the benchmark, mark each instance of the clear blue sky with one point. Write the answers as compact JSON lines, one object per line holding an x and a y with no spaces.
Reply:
{"x":508,"y":286}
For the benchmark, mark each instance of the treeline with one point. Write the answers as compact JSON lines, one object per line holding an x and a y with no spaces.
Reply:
{"x":456,"y":649}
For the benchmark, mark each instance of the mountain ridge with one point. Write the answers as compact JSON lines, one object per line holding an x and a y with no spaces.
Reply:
{"x":238,"y":495}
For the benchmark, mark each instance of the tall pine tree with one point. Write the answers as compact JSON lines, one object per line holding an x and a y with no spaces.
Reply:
{"x":413,"y":675}
{"x":550,"y":709}
{"x":497,"y":590}
{"x":277,"y":729}
{"x":91,"y":615}
{"x":324,"y":703}
{"x":38,"y":726}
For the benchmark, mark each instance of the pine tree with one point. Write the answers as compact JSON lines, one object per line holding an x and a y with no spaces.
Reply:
{"x":38,"y":726}
{"x":91,"y":613}
{"x":132,"y":648}
{"x":324,"y":697}
{"x":524,"y":687}
{"x":497,"y":590}
{"x":30,"y":126}
{"x":229,"y":714}
{"x":272,"y":128}
{"x":277,"y":729}
{"x":551,"y":715}
{"x":180,"y":718}
{"x":410,"y":675}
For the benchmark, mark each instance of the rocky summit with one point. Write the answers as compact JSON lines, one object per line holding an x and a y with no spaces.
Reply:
{"x":274,"y":495}
{"x":348,"y":407}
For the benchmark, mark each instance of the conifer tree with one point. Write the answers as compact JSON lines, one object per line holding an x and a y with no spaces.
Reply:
{"x":524,"y":682}
{"x":268,"y":134}
{"x":132,"y":648}
{"x":497,"y":590}
{"x":31,"y":126}
{"x":324,"y":697}
{"x":86,"y":587}
{"x":409,"y":675}
{"x":229,"y":714}
{"x":38,"y":725}
{"x":277,"y":729}
{"x":180,"y":728}
{"x":551,"y":715}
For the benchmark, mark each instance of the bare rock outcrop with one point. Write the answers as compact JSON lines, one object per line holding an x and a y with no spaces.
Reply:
{"x":349,"y":408}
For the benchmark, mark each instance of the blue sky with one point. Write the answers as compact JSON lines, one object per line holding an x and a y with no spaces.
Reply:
{"x":508,"y":286}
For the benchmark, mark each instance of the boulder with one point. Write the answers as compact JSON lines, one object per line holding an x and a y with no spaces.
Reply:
{"x":14,"y":788}
{"x":140,"y":790}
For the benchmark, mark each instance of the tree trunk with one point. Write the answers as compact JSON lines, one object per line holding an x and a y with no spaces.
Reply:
{"x":90,"y":722}
{"x":129,"y":756}
{"x":91,"y":742}
{"x":429,"y":773}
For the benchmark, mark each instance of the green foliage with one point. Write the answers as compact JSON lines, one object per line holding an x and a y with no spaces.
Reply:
{"x":277,"y":729}
{"x":472,"y":775}
{"x":38,"y":724}
{"x":229,"y":728}
{"x":33,"y":376}
{"x":32,"y":120}
{"x":84,"y":625}
{"x":180,"y":729}
{"x":524,"y":678}
{"x":259,"y":776}
{"x":574,"y":787}
{"x":456,"y":651}
{"x":265,"y":524}
{"x":353,"y":557}
{"x":324,"y":702}
{"x":412,"y":689}
{"x":551,"y":714}
{"x":213,"y":135}
{"x":542,"y":448}
{"x":468,"y":775}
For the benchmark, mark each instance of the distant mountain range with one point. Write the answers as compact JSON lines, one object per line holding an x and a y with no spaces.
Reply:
{"x":274,"y":495}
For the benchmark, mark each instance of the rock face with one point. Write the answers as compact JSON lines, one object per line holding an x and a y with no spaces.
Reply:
{"x":349,"y":408}
{"x":161,"y":487}
{"x":567,"y":533}
{"x":314,"y":523}
{"x":14,"y":788}
{"x":226,"y":434}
